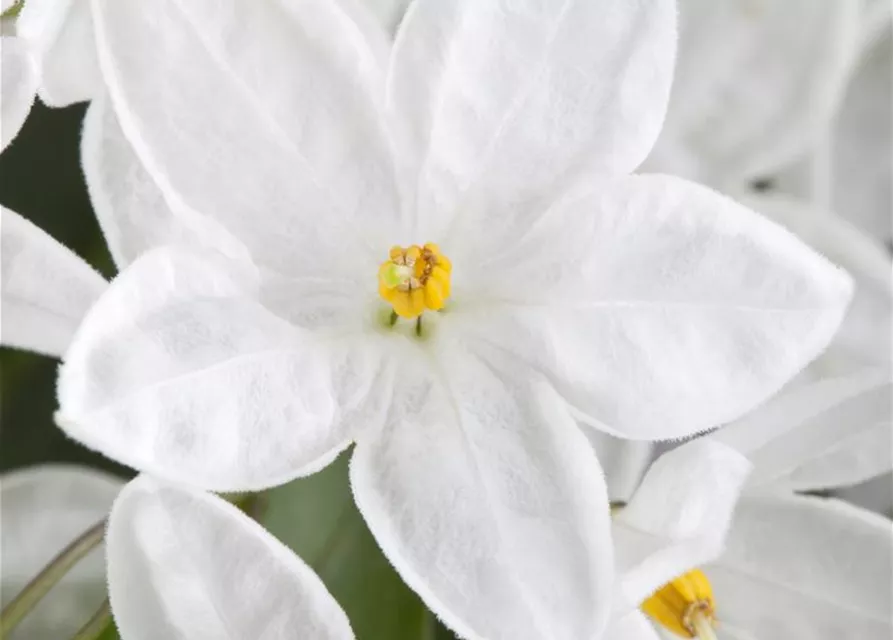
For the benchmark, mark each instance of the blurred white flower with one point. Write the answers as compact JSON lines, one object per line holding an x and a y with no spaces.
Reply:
{"x":790,"y":566}
{"x":48,"y":50}
{"x":43,"y":509}
{"x":185,"y":564}
{"x":849,"y":171}
{"x":756,"y":85}
{"x":654,"y":307}
{"x":830,"y":433}
{"x":798,"y":93}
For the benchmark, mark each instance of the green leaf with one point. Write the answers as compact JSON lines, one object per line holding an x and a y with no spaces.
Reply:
{"x":316,"y":518}
{"x":110,"y":632}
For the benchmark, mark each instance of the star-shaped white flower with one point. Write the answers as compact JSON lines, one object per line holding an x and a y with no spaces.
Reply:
{"x":47,"y":50}
{"x":786,"y":565}
{"x":557,"y":287}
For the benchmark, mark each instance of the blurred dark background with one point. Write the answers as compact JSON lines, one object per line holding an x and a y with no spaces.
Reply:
{"x":40,"y":178}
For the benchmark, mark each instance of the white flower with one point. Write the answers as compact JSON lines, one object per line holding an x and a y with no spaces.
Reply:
{"x":722,"y":129}
{"x":43,"y":509}
{"x":186,"y":564}
{"x":854,"y":157}
{"x":644,"y":306}
{"x":790,"y":566}
{"x":46,"y":50}
{"x":757,"y":83}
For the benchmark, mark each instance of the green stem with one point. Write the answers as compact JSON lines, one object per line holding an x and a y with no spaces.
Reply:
{"x":96,"y":624}
{"x":34,"y":592}
{"x":13,"y":11}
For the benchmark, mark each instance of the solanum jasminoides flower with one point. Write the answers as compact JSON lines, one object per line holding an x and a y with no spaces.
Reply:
{"x":785,"y":565}
{"x":445,"y":261}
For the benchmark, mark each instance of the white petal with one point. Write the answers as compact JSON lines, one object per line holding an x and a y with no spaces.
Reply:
{"x":388,"y":13}
{"x":864,"y":337}
{"x":46,"y":289}
{"x":805,"y":569}
{"x":489,"y":502}
{"x":861,"y":190}
{"x":721,"y":128}
{"x":819,"y":435}
{"x":40,"y":21}
{"x":180,"y":372}
{"x":679,"y":516}
{"x":634,"y":626}
{"x":658,"y":308}
{"x":19,"y":71}
{"x":185,"y":564}
{"x":62,"y":31}
{"x":134,"y":214}
{"x":263,"y":115}
{"x":624,"y":462}
{"x":43,"y":509}
{"x":501,"y":103}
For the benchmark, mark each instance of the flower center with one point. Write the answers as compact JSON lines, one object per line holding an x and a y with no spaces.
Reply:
{"x":414,"y":279}
{"x":685,"y":606}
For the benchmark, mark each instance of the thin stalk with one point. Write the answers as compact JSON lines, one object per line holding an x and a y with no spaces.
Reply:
{"x":34,"y":592}
{"x":703,"y":626}
{"x":96,"y":624}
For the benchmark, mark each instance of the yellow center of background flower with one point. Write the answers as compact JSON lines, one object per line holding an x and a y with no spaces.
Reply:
{"x":414,"y":279}
{"x":684,"y":606}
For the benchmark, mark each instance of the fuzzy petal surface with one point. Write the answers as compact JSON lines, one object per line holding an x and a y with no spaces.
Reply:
{"x":658,"y":308}
{"x":489,"y":502}
{"x":46,"y":289}
{"x":678,"y":518}
{"x":494,"y":104}
{"x":179,"y":371}
{"x":134,"y":213}
{"x":186,"y":564}
{"x":62,"y":32}
{"x":21,"y":75}
{"x":864,"y":339}
{"x":262,"y":115}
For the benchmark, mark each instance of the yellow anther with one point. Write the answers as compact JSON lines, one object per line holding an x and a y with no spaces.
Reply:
{"x":414,"y":279}
{"x":685,"y":606}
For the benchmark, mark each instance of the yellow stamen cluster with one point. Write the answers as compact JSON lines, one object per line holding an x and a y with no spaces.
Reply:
{"x":684,"y":606}
{"x":414,"y":279}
